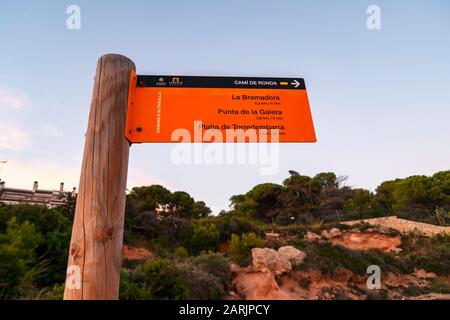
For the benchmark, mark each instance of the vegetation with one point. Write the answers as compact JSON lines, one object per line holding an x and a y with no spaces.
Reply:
{"x":33,"y":248}
{"x":194,"y":248}
{"x":240,"y":247}
{"x":302,"y":199}
{"x":204,"y":277}
{"x":203,"y":238}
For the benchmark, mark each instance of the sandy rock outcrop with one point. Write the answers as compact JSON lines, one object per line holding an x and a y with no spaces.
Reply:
{"x":334,"y":232}
{"x":312,"y":237}
{"x":272,"y":235}
{"x":422,"y":274}
{"x":269,"y":259}
{"x":132,"y":253}
{"x":367,"y":241}
{"x":403,"y":226}
{"x":293,"y":255}
{"x":259,"y":280}
{"x":258,"y":285}
{"x":278,"y":262}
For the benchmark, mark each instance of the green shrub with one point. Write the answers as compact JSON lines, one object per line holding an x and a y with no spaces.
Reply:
{"x":381,"y":294}
{"x":435,"y":286}
{"x":169,"y":232}
{"x":133,"y":285}
{"x":217,"y":265}
{"x":203,"y":238}
{"x":56,"y":292}
{"x":204,"y":277}
{"x":158,"y":279}
{"x":208,"y":276}
{"x":203,"y":285}
{"x":327,"y":258}
{"x":430,"y":254}
{"x":19,"y":264}
{"x":240,"y":247}
{"x":181,"y":252}
{"x":165,"y":280}
{"x":437,"y":261}
{"x":229,"y":224}
{"x":53,"y":227}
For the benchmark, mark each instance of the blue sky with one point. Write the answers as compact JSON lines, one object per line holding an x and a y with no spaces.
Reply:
{"x":380,"y":99}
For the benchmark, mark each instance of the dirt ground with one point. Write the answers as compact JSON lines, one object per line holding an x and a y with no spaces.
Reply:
{"x":366,"y":241}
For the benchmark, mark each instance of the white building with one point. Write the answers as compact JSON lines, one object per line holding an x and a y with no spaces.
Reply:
{"x":49,"y":198}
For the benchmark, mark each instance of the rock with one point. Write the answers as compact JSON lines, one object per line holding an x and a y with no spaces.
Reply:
{"x":293,"y":255}
{"x":312,"y":237}
{"x":258,"y":285}
{"x":132,"y":253}
{"x":234,"y":268}
{"x":363,"y":241}
{"x":272,"y":235}
{"x":422,"y":274}
{"x":269,"y":259}
{"x":233,"y":296}
{"x":394,"y":250}
{"x":402,"y":225}
{"x":325,"y":234}
{"x":334,"y":232}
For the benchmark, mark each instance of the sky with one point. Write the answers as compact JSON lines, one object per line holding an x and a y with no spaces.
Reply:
{"x":380,"y":99}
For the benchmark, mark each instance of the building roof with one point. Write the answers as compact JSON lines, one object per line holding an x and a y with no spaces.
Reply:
{"x":50,"y":198}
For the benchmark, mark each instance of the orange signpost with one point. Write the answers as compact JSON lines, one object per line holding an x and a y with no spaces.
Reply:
{"x":277,"y":109}
{"x":162,"y":109}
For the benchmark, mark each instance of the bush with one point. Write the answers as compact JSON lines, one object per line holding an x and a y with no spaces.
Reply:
{"x":229,"y":224}
{"x":430,"y":254}
{"x":133,"y":285}
{"x":203,"y":285}
{"x":19,"y":264}
{"x":240,"y":247}
{"x":165,"y":280}
{"x":181,"y":252}
{"x":217,"y":265}
{"x":53,"y":227}
{"x":168,"y":231}
{"x":327,"y":258}
{"x":204,"y":277}
{"x":56,"y":292}
{"x":208,"y":276}
{"x":157,"y":279}
{"x":203,"y":238}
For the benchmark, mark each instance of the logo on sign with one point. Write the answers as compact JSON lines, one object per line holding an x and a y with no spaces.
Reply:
{"x":176,"y":82}
{"x":161,"y":82}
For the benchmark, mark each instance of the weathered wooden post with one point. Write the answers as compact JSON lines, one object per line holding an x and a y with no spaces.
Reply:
{"x":95,"y":249}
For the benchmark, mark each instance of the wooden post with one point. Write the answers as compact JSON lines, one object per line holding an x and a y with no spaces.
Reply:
{"x":95,"y":249}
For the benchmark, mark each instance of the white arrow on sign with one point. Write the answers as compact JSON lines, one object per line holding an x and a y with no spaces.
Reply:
{"x":295,"y":83}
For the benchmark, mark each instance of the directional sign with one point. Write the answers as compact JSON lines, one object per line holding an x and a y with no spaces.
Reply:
{"x":218,"y":109}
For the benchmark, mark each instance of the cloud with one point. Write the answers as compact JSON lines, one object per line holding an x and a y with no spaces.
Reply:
{"x":12,"y":99}
{"x":12,"y":137}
